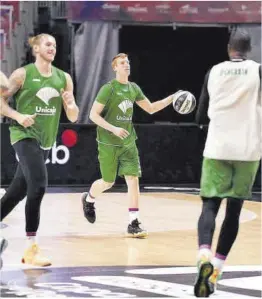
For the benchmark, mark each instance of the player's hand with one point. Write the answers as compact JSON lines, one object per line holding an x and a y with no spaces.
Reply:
{"x":26,"y":120}
{"x":120,"y":132}
{"x":68,"y":98}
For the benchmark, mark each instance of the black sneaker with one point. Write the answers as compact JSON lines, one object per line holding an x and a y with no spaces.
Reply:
{"x":203,"y":287}
{"x":89,"y":209}
{"x":135,"y":231}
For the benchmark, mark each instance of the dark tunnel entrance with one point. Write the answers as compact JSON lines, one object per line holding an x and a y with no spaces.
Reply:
{"x":164,"y":60}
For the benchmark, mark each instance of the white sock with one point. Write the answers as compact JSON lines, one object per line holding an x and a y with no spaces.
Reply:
{"x":204,"y":252}
{"x":30,"y":240}
{"x":133,"y":215}
{"x":90,"y":198}
{"x":218,"y":263}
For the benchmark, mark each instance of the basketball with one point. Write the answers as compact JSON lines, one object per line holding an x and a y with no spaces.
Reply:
{"x":184,"y":102}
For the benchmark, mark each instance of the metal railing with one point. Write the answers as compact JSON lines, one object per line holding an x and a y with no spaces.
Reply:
{"x":58,"y":9}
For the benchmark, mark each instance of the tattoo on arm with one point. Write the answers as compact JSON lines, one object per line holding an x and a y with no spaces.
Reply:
{"x":16,"y":80}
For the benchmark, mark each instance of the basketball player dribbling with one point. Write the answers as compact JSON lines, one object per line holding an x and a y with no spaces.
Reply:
{"x":232,"y":96}
{"x":112,"y":111}
{"x":39,"y":90}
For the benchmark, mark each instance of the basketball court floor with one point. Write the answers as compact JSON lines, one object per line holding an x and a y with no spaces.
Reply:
{"x":98,"y":260}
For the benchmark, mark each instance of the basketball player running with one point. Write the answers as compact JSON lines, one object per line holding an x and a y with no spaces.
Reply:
{"x":4,"y":85}
{"x":231,"y":94}
{"x":40,"y":90}
{"x":112,"y":111}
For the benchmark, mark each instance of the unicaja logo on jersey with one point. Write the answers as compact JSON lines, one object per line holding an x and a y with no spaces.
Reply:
{"x":46,"y":94}
{"x":45,"y":111}
{"x":126,"y":104}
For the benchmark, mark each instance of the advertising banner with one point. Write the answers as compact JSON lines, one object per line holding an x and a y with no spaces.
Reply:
{"x":169,"y":155}
{"x":211,"y":12}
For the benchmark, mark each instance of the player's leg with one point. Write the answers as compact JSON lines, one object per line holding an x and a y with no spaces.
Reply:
{"x":129,"y":167}
{"x":108,"y":162}
{"x":134,"y":229}
{"x":14,"y":194}
{"x":216,"y":180}
{"x":243,"y":180}
{"x":32,"y":161}
{"x":206,"y":226}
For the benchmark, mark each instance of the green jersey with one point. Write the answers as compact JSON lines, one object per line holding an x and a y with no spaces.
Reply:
{"x":118,"y":99}
{"x":40,"y":95}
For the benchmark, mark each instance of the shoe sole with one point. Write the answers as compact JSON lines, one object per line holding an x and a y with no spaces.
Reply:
{"x":201,"y":288}
{"x":142,"y":235}
{"x":90,"y":220}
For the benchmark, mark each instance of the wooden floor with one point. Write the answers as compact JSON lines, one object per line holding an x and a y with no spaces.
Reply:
{"x":170,"y":218}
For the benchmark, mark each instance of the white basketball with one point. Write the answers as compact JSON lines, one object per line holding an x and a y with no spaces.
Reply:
{"x":184,"y":102}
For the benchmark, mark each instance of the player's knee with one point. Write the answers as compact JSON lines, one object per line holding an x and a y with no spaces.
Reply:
{"x":107,"y":185}
{"x":36,"y":192}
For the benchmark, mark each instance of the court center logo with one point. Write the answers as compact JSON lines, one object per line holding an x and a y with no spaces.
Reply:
{"x":124,"y":106}
{"x":46,"y":94}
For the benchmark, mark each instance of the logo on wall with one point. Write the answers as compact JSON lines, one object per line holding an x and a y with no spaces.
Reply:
{"x":60,"y":154}
{"x":188,"y":9}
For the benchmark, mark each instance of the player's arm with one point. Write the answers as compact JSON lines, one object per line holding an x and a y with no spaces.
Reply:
{"x":202,"y":109}
{"x":151,"y":108}
{"x":16,"y":80}
{"x":96,"y":110}
{"x":69,"y":103}
{"x":4,"y":84}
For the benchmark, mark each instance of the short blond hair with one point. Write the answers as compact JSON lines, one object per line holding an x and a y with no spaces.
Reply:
{"x":35,"y":40}
{"x":114,"y":60}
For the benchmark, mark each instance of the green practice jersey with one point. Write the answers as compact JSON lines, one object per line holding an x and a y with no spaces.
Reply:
{"x":40,"y":95}
{"x":118,"y":99}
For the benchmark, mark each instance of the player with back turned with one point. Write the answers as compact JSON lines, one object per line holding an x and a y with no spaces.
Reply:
{"x":231,"y":95}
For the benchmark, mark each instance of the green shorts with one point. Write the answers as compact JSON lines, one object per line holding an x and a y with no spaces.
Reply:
{"x":121,"y":160}
{"x":223,"y":179}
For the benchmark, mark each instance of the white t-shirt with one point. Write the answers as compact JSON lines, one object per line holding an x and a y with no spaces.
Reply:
{"x":234,"y":111}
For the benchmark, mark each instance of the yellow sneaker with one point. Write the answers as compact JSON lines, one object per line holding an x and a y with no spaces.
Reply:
{"x":33,"y":257}
{"x":213,"y":279}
